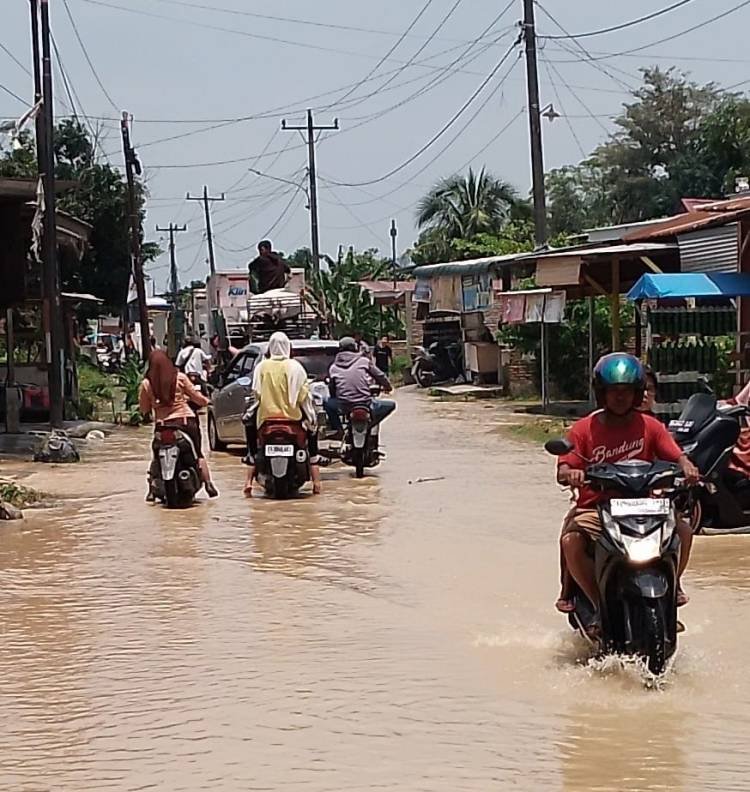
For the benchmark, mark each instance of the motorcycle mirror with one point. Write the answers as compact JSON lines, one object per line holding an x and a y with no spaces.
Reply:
{"x":558,"y":447}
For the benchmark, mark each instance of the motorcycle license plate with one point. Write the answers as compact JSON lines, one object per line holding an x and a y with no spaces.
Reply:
{"x":632,"y":507}
{"x":279,"y":450}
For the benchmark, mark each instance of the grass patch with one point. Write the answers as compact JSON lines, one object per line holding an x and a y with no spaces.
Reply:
{"x":538,"y":431}
{"x":399,"y":365}
{"x":19,"y":496}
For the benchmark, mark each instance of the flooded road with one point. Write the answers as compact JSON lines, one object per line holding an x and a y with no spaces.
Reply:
{"x":393,"y":634}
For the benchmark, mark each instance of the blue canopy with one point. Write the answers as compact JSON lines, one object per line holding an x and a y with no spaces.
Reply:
{"x":691,"y":284}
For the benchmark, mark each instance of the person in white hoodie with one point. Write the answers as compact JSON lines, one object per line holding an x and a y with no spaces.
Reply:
{"x":350,"y":377}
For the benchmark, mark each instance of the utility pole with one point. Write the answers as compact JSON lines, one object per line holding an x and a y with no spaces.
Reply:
{"x":311,"y":128}
{"x":132,"y":167}
{"x":51,"y":300}
{"x":207,"y":200}
{"x":535,"y":125}
{"x":394,"y":234}
{"x":173,"y":283}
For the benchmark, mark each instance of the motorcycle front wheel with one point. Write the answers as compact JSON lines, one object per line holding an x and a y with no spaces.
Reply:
{"x":654,"y":636}
{"x":423,"y":377}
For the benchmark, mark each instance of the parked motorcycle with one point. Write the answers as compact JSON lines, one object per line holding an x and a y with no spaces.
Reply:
{"x":174,"y":477}
{"x":708,"y":432}
{"x":283,"y":463}
{"x":635,"y":560}
{"x":440,"y":362}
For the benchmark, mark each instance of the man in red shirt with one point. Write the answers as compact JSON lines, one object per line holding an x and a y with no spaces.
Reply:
{"x":612,"y":434}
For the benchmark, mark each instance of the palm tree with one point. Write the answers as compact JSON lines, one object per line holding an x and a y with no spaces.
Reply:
{"x":459,"y":207}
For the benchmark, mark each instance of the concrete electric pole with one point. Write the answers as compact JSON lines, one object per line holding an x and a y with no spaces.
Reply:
{"x":311,"y":129}
{"x":174,"y":284}
{"x":207,"y":200}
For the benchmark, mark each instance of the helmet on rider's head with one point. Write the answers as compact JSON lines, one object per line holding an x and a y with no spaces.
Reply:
{"x":619,"y":368}
{"x":347,"y":344}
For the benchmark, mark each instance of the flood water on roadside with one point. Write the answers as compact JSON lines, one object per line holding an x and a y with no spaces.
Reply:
{"x":393,"y":634}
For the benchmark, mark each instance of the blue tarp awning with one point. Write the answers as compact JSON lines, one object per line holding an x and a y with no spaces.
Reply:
{"x":691,"y":284}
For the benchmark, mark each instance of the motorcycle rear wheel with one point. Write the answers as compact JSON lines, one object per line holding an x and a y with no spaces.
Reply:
{"x":174,"y":497}
{"x":358,"y":459}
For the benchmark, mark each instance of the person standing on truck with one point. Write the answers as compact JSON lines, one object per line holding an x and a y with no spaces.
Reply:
{"x":269,"y":270}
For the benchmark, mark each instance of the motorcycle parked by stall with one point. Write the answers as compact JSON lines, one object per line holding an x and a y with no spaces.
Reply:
{"x":708,"y":432}
{"x":440,"y":362}
{"x":635,"y":560}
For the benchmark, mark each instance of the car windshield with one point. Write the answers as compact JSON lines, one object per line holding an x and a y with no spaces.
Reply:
{"x":316,"y":361}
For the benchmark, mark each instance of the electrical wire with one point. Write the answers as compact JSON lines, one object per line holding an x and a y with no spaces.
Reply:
{"x":88,"y":58}
{"x":674,"y":36}
{"x":622,"y":25}
{"x":281,"y":216}
{"x":14,"y":95}
{"x":353,"y":215}
{"x":15,"y":60}
{"x":289,"y":20}
{"x":578,"y":99}
{"x":385,"y":57}
{"x":442,"y":130}
{"x":573,"y":133}
{"x":588,"y":57}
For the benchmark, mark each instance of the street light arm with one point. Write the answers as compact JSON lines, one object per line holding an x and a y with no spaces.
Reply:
{"x":284,"y":181}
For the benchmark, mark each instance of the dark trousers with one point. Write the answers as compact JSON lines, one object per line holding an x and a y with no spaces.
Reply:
{"x":380,"y":409}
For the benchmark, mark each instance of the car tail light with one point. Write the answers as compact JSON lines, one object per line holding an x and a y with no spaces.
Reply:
{"x":168,"y":436}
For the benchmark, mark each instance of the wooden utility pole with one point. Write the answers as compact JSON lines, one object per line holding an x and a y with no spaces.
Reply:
{"x":132,"y":167}
{"x":51,"y":300}
{"x":311,"y":128}
{"x":174,"y":284}
{"x":535,"y":126}
{"x":207,"y":200}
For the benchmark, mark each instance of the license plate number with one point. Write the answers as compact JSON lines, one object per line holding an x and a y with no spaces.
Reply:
{"x":632,"y":507}
{"x":279,"y":450}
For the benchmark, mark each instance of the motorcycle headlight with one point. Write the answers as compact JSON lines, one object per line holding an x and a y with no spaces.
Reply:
{"x":611,"y":527}
{"x":643,"y":548}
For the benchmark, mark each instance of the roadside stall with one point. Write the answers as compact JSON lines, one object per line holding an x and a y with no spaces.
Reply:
{"x":689,"y":328}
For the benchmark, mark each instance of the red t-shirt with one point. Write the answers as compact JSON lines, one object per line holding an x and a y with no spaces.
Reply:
{"x":642,"y":438}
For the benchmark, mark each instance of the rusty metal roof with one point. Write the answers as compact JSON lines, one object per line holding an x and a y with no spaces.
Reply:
{"x":704,"y":215}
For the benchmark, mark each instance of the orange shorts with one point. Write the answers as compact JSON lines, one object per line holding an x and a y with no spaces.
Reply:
{"x":585,"y":521}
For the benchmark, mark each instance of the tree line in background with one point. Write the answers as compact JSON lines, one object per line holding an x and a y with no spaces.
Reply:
{"x":99,"y":198}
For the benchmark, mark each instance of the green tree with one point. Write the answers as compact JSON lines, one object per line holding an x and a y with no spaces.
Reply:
{"x":335,"y":294}
{"x":463,"y":206}
{"x":100,"y":199}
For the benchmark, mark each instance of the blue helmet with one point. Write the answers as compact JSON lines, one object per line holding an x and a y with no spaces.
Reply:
{"x":619,"y":368}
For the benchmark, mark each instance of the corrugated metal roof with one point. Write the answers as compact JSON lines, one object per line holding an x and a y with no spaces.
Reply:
{"x":634,"y":251}
{"x":685,"y":223}
{"x":467,"y":267}
{"x":709,"y":250}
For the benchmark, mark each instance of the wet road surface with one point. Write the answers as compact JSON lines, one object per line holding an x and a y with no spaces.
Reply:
{"x":389,"y":635}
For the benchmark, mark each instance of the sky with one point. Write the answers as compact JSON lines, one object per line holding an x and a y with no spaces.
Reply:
{"x":208,"y":83}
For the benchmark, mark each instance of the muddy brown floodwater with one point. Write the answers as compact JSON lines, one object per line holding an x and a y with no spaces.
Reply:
{"x":389,"y":635}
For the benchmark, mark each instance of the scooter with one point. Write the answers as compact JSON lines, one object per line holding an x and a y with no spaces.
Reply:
{"x":174,"y":477}
{"x":635,"y":561}
{"x":708,"y":432}
{"x":438,"y":363}
{"x":361,"y":446}
{"x":282,"y":463}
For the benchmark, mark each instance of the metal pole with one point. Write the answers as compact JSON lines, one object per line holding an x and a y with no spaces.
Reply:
{"x":394,"y":234}
{"x":207,"y":199}
{"x":535,"y":126}
{"x":314,"y":231}
{"x":132,"y":164}
{"x":50,"y":269}
{"x":591,"y":349}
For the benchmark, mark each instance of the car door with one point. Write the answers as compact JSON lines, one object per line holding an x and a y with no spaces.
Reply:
{"x":225,"y":399}
{"x":236,"y":399}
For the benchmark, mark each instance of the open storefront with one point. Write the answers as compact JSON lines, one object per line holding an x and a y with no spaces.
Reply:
{"x":690,"y":333}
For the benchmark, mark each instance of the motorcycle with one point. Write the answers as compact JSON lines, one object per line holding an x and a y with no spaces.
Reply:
{"x":174,"y":477}
{"x":438,"y":363}
{"x":635,"y":560}
{"x":283,"y":463}
{"x":361,"y":446}
{"x":708,"y":432}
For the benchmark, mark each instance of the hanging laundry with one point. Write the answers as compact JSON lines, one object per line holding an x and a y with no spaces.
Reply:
{"x":554,"y":308}
{"x":534,"y":308}
{"x":516,"y":309}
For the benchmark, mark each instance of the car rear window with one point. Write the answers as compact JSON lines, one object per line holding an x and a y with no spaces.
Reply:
{"x":316,"y":361}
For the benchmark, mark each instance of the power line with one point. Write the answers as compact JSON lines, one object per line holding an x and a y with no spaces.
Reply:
{"x":674,"y":36}
{"x":573,"y":133}
{"x":88,"y":58}
{"x":14,"y":95}
{"x":622,"y":25}
{"x":290,"y":20}
{"x":441,"y":132}
{"x":15,"y":59}
{"x":578,"y":99}
{"x":385,"y":57}
{"x":281,"y":216}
